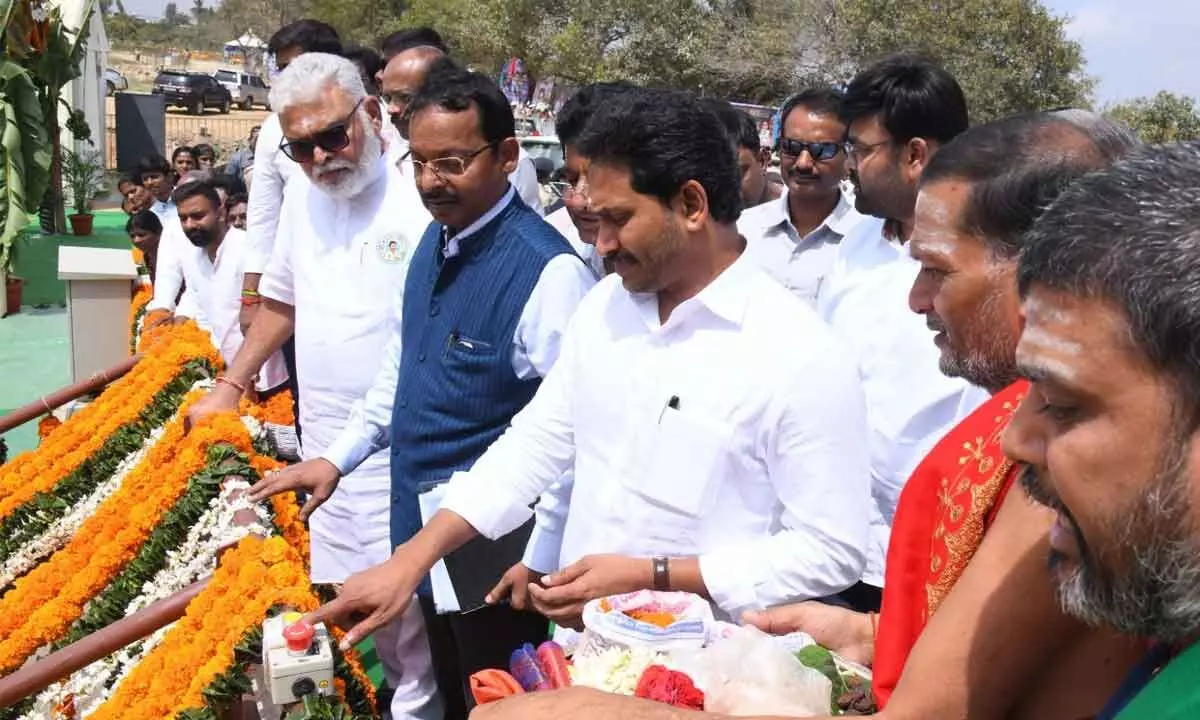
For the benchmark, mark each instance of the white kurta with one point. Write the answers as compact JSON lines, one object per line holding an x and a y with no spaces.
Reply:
{"x":341,"y":272}
{"x":213,"y":299}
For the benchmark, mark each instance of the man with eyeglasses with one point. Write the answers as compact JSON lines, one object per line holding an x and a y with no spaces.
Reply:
{"x":400,"y":80}
{"x":574,"y":219}
{"x":796,"y":237}
{"x":897,"y":113}
{"x":488,"y":297}
{"x":348,"y":227}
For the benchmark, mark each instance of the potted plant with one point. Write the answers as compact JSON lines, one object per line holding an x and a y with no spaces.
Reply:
{"x":83,"y":175}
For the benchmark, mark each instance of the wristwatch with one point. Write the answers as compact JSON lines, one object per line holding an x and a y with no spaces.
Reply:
{"x":662,"y":573}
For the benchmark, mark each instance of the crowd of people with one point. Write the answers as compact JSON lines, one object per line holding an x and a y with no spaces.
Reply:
{"x":930,"y":396}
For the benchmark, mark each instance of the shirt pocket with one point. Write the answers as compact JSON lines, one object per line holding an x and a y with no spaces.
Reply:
{"x":680,"y":464}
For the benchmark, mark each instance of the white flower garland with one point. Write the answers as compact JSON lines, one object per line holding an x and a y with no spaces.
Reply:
{"x":193,"y":559}
{"x":62,"y":530}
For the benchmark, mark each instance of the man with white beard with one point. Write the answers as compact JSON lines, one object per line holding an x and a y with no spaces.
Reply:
{"x":352,"y":222}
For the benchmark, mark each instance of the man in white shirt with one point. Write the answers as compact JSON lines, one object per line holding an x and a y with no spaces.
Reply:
{"x":574,"y":220}
{"x":156,"y":175}
{"x":898,"y":113}
{"x":795,"y":238}
{"x":174,"y":247}
{"x":715,"y":426}
{"x":351,"y":223}
{"x":400,"y":80}
{"x":212,"y":271}
{"x":489,"y":295}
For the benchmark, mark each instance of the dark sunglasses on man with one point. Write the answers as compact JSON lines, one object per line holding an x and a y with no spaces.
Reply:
{"x":332,"y":139}
{"x":818,"y":150}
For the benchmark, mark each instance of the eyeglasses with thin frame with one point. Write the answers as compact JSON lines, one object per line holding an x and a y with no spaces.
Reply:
{"x":859,"y":150}
{"x":448,"y":167}
{"x":396,"y":98}
{"x":819,"y":151}
{"x":332,"y":139}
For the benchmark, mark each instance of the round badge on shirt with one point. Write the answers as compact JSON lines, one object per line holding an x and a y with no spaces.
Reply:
{"x":392,"y":247}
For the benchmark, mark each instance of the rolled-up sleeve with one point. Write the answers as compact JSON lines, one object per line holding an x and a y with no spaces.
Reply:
{"x":815,"y":445}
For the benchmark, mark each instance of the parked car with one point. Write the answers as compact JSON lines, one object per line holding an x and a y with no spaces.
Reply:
{"x":543,"y":146}
{"x":194,"y":91}
{"x":247,"y":90}
{"x":114,"y":81}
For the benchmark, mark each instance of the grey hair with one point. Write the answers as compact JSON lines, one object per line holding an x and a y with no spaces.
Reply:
{"x":309,"y":75}
{"x":1112,"y":139}
{"x":197,"y":175}
{"x":1131,"y":235}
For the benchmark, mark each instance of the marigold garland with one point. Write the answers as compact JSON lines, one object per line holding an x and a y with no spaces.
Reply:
{"x":86,"y":431}
{"x":253,"y":577}
{"x":137,"y":309}
{"x":41,"y":606}
{"x":279,"y":409}
{"x":156,"y":325}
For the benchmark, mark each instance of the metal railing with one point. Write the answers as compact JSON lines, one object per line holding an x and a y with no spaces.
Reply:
{"x":213,"y":128}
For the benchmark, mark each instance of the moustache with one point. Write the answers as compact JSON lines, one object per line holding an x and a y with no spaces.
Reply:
{"x":332,"y":167}
{"x":438,"y":197}
{"x":802,"y":175}
{"x":935,"y":324}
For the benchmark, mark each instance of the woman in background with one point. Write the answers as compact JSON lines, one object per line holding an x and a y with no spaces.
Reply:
{"x":144,"y":230}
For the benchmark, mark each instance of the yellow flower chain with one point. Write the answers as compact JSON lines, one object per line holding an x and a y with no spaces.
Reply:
{"x":41,"y":606}
{"x":86,"y":431}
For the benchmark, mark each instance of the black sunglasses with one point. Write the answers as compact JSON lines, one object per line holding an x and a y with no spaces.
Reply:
{"x":331,"y":140}
{"x":818,"y":150}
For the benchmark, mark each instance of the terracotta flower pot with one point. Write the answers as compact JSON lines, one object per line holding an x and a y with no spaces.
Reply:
{"x":81,"y":224}
{"x":12,"y":293}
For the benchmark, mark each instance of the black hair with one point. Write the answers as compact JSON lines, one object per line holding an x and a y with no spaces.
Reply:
{"x":666,"y":138}
{"x":307,"y":35}
{"x":409,"y":38}
{"x":453,"y":88}
{"x":739,"y":126}
{"x":369,"y":64}
{"x":239,"y":198}
{"x":230,"y":184}
{"x":153,"y":164}
{"x":569,"y":121}
{"x":913,"y":96}
{"x":182,"y":149}
{"x":145,"y":220}
{"x":821,"y":100}
{"x":1130,"y":236}
{"x":130,"y":177}
{"x":201,"y":188}
{"x":204,"y":149}
{"x":1016,"y":167}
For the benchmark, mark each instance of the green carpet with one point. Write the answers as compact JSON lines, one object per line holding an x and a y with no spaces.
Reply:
{"x":34,"y":361}
{"x":36,"y":256}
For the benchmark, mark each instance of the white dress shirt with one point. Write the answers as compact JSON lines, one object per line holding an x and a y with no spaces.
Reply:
{"x":561,"y":220}
{"x":165,"y":210}
{"x":213,"y":299}
{"x":272,"y":171}
{"x":173,"y":246}
{"x":910,"y":403}
{"x":734,"y":431}
{"x":799,"y":263}
{"x":536,"y":342}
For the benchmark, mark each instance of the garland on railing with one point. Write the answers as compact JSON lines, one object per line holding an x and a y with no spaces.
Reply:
{"x":47,"y":425}
{"x":31,"y":518}
{"x":121,"y":404}
{"x":41,"y":606}
{"x":198,"y":669}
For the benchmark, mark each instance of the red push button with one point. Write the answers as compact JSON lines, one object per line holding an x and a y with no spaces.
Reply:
{"x":298,"y":636}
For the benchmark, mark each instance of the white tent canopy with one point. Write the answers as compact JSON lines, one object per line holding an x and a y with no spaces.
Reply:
{"x":248,"y":41}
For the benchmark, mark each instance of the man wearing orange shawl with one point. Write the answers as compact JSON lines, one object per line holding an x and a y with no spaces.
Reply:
{"x":999,"y":647}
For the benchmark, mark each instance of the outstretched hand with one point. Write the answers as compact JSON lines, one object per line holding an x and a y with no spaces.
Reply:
{"x":844,"y":631}
{"x":369,"y":600}
{"x":317,"y":477}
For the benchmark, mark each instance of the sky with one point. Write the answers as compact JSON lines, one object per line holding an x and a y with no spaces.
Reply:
{"x":1133,"y":47}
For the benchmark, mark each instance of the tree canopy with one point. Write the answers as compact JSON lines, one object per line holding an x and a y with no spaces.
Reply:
{"x":1161,"y":119}
{"x":1010,"y":56}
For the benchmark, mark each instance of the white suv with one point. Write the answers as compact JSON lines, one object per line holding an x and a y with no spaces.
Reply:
{"x":247,"y":90}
